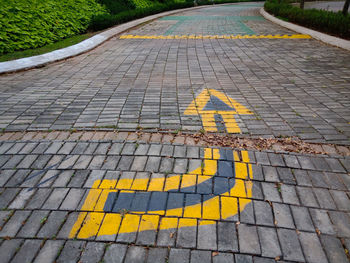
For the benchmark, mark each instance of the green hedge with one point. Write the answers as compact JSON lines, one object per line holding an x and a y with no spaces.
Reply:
{"x":325,"y":21}
{"x":103,"y":21}
{"x":26,"y":24}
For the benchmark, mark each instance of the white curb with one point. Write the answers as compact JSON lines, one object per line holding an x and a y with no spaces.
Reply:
{"x":334,"y":41}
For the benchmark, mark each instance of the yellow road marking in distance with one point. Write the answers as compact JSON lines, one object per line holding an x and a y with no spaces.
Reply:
{"x":98,"y":223}
{"x":294,"y":36}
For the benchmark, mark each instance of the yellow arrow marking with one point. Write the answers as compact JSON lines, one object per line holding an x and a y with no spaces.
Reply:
{"x":97,"y":223}
{"x":208,"y":116}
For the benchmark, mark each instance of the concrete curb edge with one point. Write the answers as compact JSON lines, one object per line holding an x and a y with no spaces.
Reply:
{"x":334,"y":41}
{"x":82,"y":47}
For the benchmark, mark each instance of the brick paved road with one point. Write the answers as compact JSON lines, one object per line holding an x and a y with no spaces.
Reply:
{"x":75,"y":196}
{"x":294,"y":87}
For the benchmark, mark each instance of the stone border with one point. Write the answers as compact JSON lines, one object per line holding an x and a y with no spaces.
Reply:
{"x":82,"y":47}
{"x":334,"y":41}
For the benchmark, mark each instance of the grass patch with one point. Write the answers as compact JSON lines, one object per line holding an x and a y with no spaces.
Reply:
{"x":42,"y":50}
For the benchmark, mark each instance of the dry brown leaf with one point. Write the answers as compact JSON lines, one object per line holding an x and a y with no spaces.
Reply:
{"x":214,"y":253}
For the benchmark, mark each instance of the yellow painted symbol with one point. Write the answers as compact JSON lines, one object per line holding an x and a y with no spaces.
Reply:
{"x":97,"y":220}
{"x":216,"y":109}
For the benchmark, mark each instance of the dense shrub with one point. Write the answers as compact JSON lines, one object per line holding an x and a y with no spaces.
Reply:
{"x":326,"y":21}
{"x":28,"y":24}
{"x":117,"y":6}
{"x":103,"y":21}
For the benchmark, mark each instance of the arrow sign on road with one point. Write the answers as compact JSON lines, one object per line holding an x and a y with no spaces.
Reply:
{"x":217,"y":111}
{"x":209,"y":193}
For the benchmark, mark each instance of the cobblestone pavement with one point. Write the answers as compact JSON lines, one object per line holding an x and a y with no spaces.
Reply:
{"x":293,"y":87}
{"x":104,"y":196}
{"x":88,"y":200}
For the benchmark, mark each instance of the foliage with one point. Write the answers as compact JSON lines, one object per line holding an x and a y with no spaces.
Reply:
{"x":103,"y":21}
{"x":117,"y":6}
{"x":321,"y":20}
{"x":28,"y":24}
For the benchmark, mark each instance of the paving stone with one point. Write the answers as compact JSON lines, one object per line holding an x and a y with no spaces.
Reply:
{"x":93,"y":252}
{"x":289,"y":195}
{"x":283,"y":216}
{"x":223,"y":258}
{"x":276,"y":159}
{"x":302,"y":218}
{"x":55,"y":199}
{"x":286,"y":175}
{"x":291,"y":161}
{"x":341,"y":222}
{"x":167,"y":150}
{"x":334,"y":249}
{"x":135,"y":254}
{"x":115,"y":253}
{"x":227,"y":237}
{"x":33,"y":224}
{"x":324,"y":198}
{"x":193,"y":152}
{"x":263,"y":213}
{"x":166,"y":165}
{"x":153,"y":164}
{"x":290,"y":245}
{"x":8,"y":248}
{"x":142,"y":149}
{"x":180,"y":166}
{"x":72,"y":199}
{"x":52,"y":224}
{"x":180,"y":151}
{"x":80,"y":148}
{"x":102,"y":148}
{"x":243,"y":258}
{"x":93,"y":177}
{"x":128,"y":149}
{"x":341,"y":199}
{"x":199,"y":256}
{"x":83,"y":162}
{"x":5,"y":175}
{"x":125,"y":163}
{"x":79,"y":178}
{"x":155,"y":149}
{"x":247,"y":215}
{"x":49,"y":251}
{"x":68,"y":224}
{"x":248,"y":239}
{"x":157,"y":255}
{"x":262,"y":158}
{"x":21,"y":199}
{"x":177,"y":255}
{"x":71,"y":251}
{"x":28,"y":251}
{"x":14,"y":224}
{"x":186,"y":236}
{"x":207,"y":235}
{"x":54,"y":148}
{"x":4,"y":215}
{"x":39,"y":197}
{"x":97,"y":162}
{"x":139,"y":163}
{"x":27,"y":161}
{"x":271,"y":192}
{"x":305,"y":163}
{"x":307,"y":197}
{"x":302,"y":178}
{"x":67,"y":148}
{"x":116,"y":148}
{"x":270,"y":174}
{"x":312,"y":247}
{"x":335,"y":165}
{"x":269,"y":242}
